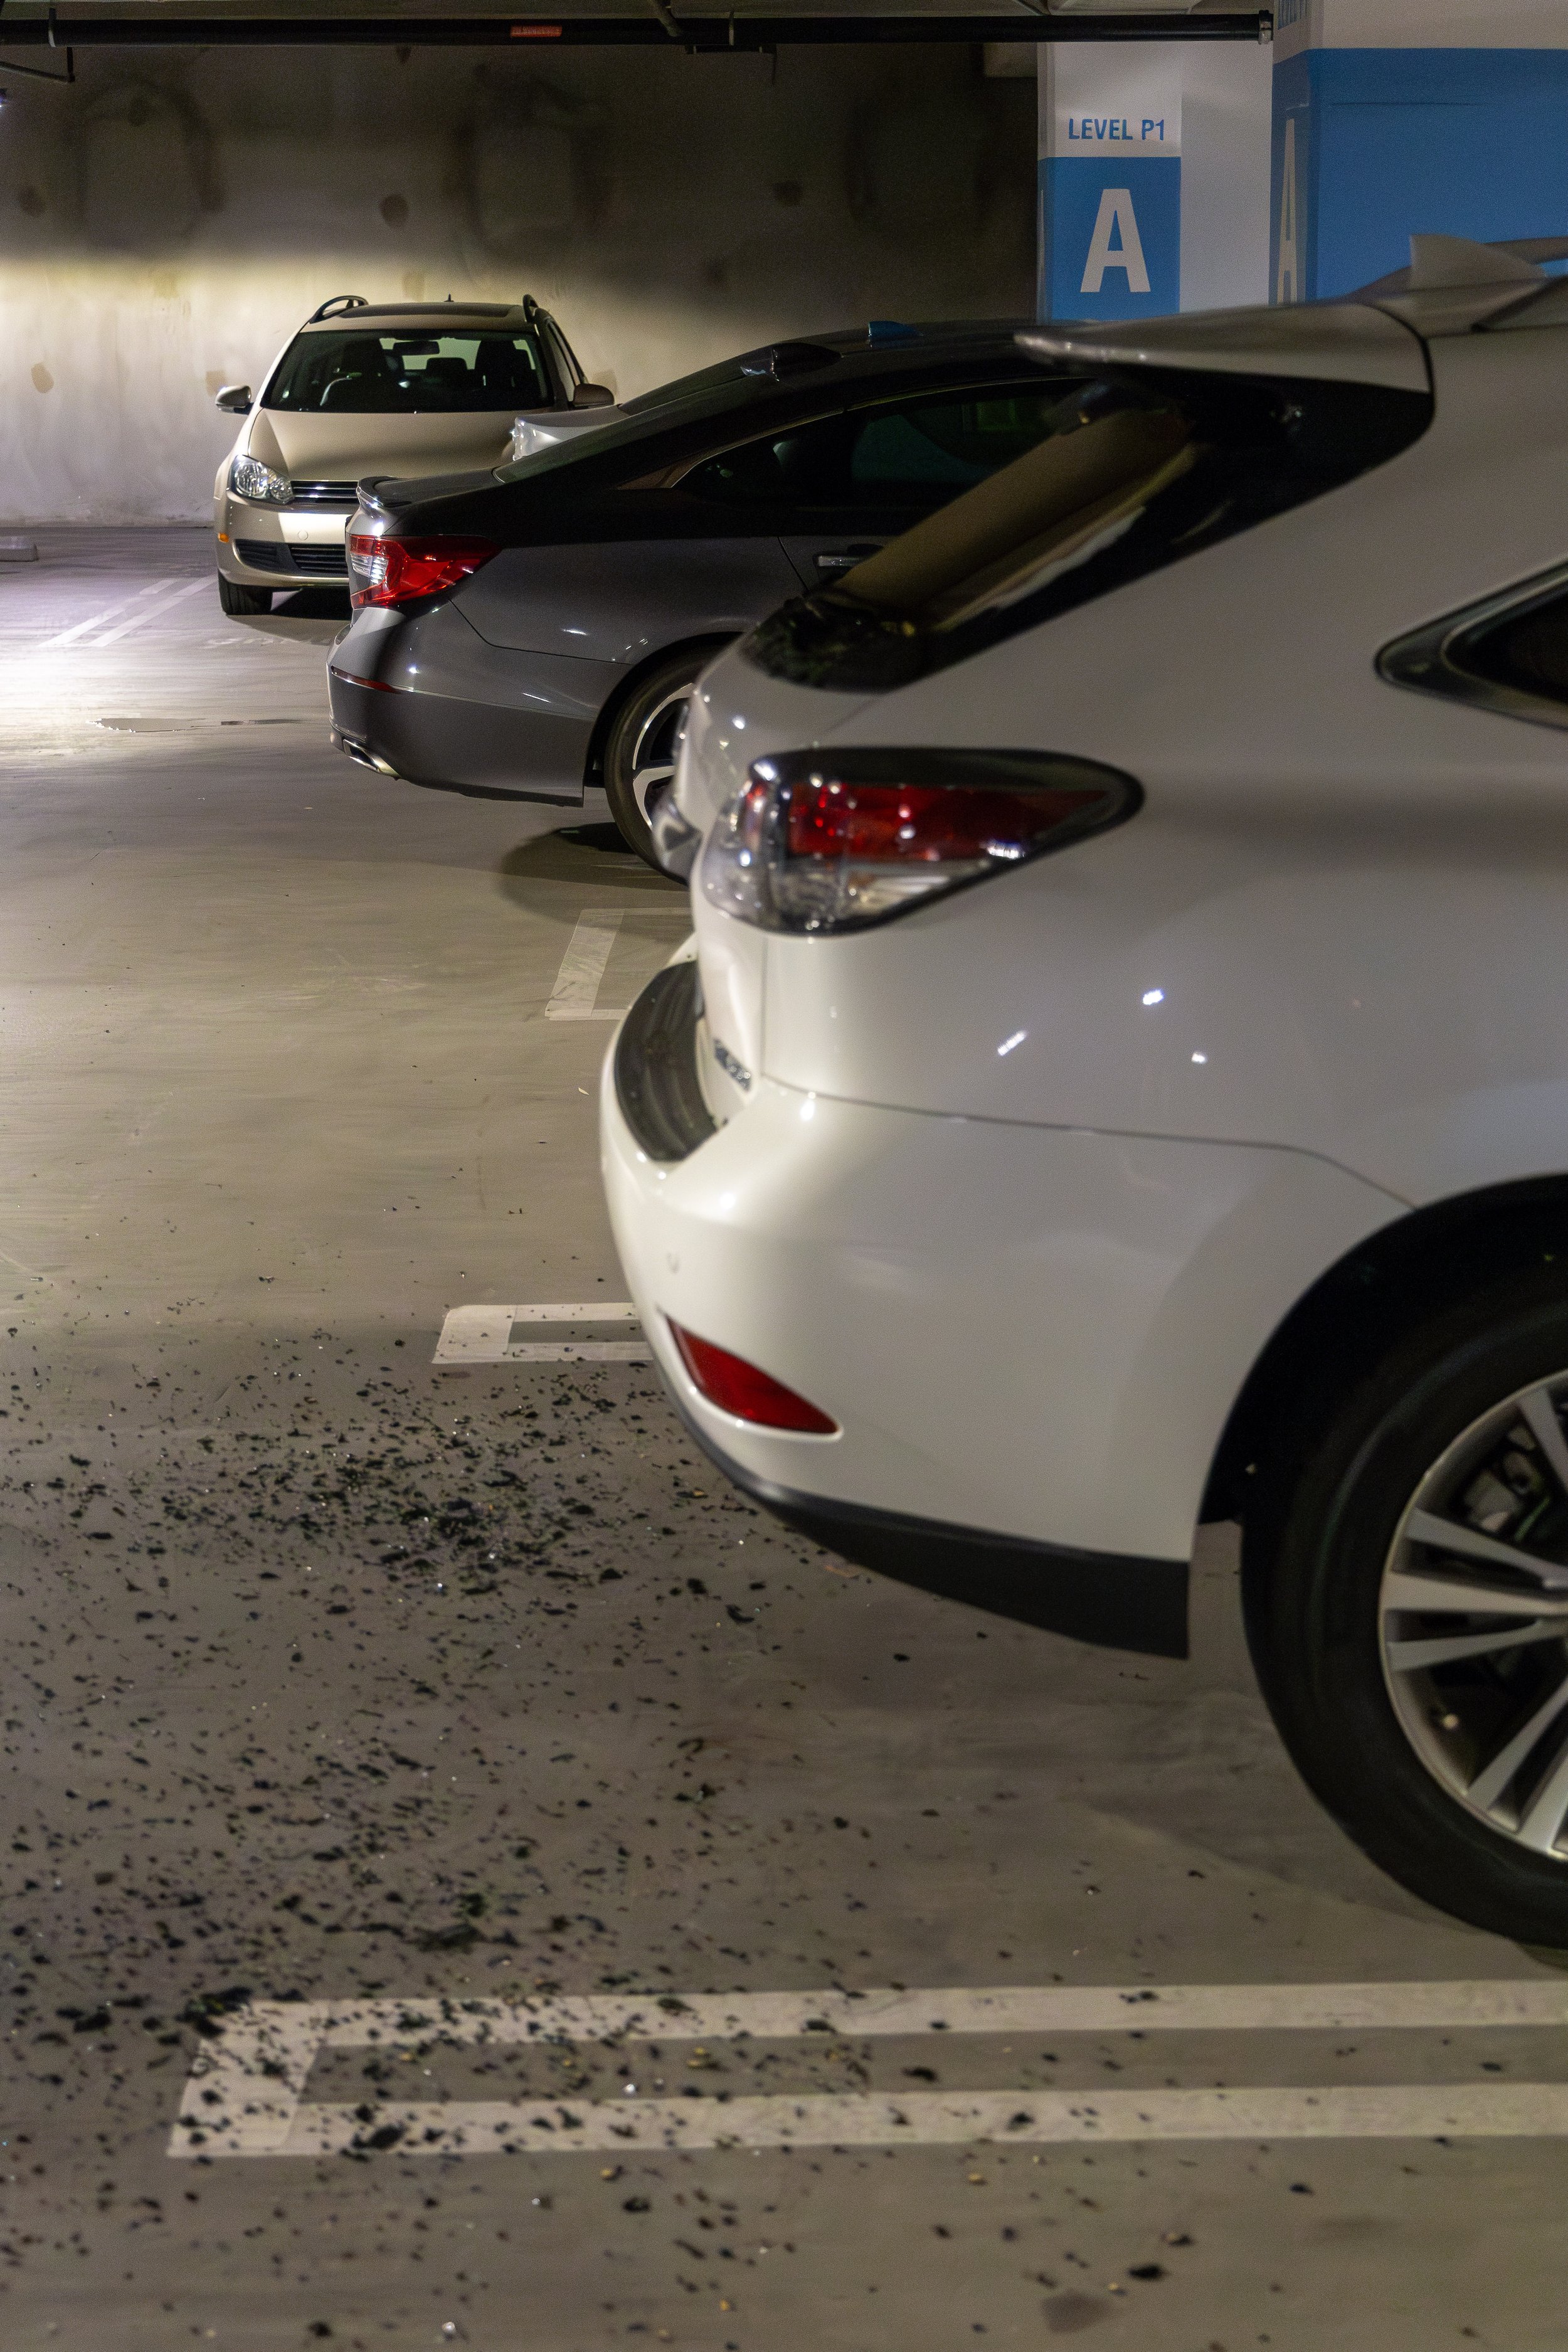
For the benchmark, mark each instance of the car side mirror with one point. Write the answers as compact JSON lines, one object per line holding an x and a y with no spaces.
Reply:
{"x":592,"y":395}
{"x":233,"y":399}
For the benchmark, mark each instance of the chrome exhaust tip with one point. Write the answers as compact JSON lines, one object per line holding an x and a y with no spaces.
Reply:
{"x":362,"y":753}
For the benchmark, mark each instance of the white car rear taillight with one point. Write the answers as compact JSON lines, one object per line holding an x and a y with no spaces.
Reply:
{"x":824,"y":842}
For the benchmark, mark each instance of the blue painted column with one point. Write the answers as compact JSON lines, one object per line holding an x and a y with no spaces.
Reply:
{"x":1110,"y":179}
{"x":1390,"y":119}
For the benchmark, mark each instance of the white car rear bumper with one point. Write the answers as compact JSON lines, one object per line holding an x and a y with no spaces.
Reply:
{"x":1033,"y":1335}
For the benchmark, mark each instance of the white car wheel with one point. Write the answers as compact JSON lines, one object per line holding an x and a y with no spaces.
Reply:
{"x":1407,"y":1606}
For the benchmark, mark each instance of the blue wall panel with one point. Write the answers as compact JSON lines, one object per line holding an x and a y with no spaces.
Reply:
{"x":1384,"y":142}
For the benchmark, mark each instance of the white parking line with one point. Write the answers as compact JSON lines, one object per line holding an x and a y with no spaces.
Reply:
{"x":920,"y":2119}
{"x":576,"y":991}
{"x":483,"y":1335}
{"x":99,"y":620}
{"x":246,"y":2094}
{"x":150,"y":612}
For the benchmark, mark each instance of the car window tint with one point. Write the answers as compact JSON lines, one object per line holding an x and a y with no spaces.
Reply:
{"x":915,"y":452}
{"x":1130,"y":473}
{"x":391,"y":373}
{"x":1527,"y":650}
{"x":949,"y":444}
{"x":807,"y":465}
{"x":1508,"y":654}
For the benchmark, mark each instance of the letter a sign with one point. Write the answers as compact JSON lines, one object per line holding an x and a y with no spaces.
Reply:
{"x":1116,"y":245}
{"x":1110,"y":181}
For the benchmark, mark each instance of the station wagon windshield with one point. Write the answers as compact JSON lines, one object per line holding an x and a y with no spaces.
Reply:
{"x":408,"y":375}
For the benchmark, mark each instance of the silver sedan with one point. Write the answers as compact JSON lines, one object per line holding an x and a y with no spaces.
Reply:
{"x":538,"y":629}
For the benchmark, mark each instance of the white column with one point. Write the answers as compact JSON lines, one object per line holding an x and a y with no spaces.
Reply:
{"x":1154,"y":177}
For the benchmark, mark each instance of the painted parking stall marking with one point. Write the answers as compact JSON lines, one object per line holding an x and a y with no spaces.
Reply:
{"x":575,"y":997}
{"x":151,"y":612}
{"x":245,"y":2094}
{"x":122,"y":605}
{"x":916,"y":2119}
{"x":576,"y":991}
{"x":132,"y":612}
{"x":486,"y":1335}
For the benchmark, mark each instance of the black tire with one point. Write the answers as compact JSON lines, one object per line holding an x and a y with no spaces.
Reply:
{"x":639,"y":750}
{"x":1403,"y":1749}
{"x":236,"y":598}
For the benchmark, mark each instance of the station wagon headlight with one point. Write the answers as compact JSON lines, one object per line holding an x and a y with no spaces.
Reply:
{"x":833,"y":841}
{"x":249,"y":478}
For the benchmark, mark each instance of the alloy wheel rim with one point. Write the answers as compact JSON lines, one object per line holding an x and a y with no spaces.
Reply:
{"x":1473,"y":1619}
{"x":656,"y":748}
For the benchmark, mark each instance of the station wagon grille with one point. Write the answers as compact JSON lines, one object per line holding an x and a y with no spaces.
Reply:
{"x":295,"y":561}
{"x":341,"y":495}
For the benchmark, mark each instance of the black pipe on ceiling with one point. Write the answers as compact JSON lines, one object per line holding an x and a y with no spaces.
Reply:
{"x":702,"y":35}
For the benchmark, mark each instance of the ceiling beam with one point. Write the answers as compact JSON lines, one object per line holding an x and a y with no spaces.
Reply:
{"x":697,"y":33}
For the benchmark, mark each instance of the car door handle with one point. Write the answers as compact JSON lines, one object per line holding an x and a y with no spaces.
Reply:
{"x":845,"y":559}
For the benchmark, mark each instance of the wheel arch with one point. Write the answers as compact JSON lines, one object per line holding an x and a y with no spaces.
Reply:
{"x":1359,"y":1307}
{"x":706,"y":642}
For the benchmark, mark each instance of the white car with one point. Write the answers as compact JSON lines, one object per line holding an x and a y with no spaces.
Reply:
{"x":1122,"y":1081}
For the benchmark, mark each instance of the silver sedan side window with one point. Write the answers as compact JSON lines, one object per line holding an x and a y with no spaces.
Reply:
{"x":914,"y":452}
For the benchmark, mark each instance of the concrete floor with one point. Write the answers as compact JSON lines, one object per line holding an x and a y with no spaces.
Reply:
{"x":330,"y":1676}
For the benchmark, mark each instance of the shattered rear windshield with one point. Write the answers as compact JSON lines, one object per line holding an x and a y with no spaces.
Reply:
{"x":1137,"y":471}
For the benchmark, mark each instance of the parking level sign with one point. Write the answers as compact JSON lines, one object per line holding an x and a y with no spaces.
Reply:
{"x":1110,"y":182}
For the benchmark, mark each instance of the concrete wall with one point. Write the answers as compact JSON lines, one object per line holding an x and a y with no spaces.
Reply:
{"x":166,"y":224}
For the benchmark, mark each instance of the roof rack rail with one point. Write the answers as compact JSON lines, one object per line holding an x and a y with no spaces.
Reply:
{"x":335,"y":304}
